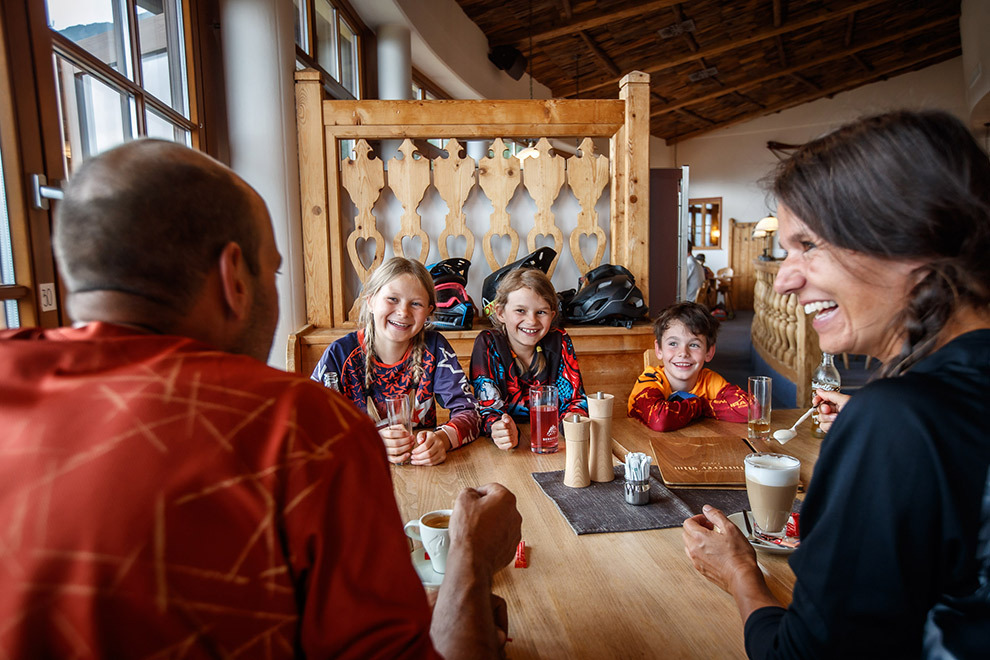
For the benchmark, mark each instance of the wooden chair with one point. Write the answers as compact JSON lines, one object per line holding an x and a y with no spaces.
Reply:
{"x":650,"y":359}
{"x":724,"y":286}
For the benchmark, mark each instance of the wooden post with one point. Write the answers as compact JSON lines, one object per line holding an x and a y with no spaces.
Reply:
{"x":315,"y":211}
{"x":634,"y":185}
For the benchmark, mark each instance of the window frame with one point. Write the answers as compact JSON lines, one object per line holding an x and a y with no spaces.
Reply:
{"x":713,"y":234}
{"x":306,"y":55}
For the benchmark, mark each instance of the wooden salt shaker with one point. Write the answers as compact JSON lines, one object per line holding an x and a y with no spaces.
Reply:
{"x":600,"y":459}
{"x":577,"y":432}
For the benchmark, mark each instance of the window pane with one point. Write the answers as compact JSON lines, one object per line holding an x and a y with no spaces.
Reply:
{"x":95,"y":116}
{"x":163,"y":129}
{"x":348,"y":59}
{"x":326,"y":37}
{"x":10,"y":316}
{"x":301,"y":34}
{"x":163,"y":57}
{"x":99,"y":26}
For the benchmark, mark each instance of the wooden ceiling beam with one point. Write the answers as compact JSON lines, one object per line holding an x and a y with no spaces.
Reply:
{"x":565,"y":10}
{"x":688,"y":37}
{"x":599,"y":54}
{"x":812,"y":96}
{"x":778,"y":13}
{"x":590,"y":22}
{"x":725,"y":47}
{"x":804,"y":81}
{"x":780,"y":51}
{"x":797,"y":68}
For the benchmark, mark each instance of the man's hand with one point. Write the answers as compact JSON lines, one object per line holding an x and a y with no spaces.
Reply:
{"x":486,"y":525}
{"x":505,"y":433}
{"x":431,"y":448}
{"x":398,"y":443}
{"x":485,"y":528}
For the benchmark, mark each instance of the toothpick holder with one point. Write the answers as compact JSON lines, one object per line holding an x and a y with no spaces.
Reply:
{"x":577,"y":435}
{"x":600,"y":459}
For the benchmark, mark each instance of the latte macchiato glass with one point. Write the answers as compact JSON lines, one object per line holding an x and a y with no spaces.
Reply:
{"x":771,"y":483}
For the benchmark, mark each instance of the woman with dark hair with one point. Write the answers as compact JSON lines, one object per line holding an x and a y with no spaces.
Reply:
{"x":886,"y":223}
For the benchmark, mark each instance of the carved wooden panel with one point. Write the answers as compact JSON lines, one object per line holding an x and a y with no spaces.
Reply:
{"x":587,"y":174}
{"x":544,"y":176}
{"x":363,"y":178}
{"x":454,"y":178}
{"x":409,"y":178}
{"x":499,"y":178}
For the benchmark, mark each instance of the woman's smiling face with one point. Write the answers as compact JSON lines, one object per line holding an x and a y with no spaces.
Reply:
{"x":854,"y":297}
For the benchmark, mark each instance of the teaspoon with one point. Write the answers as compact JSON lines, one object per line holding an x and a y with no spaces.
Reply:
{"x":783,"y":435}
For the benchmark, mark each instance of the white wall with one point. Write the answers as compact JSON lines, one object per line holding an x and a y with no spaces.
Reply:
{"x":730,"y":163}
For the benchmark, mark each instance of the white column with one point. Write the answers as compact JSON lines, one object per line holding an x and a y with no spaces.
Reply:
{"x":259,"y":61}
{"x":394,"y":73}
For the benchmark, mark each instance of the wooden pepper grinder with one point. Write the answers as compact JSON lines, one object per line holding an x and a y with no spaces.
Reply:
{"x":577,"y":435}
{"x":600,"y":460}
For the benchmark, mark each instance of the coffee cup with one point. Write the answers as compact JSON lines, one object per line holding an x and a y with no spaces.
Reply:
{"x":771,"y":483}
{"x":433,"y":531}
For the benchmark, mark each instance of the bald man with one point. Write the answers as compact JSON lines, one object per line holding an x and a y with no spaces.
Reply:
{"x":164,"y":493}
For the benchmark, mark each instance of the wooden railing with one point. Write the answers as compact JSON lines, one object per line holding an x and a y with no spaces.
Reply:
{"x":337,"y":255}
{"x":782,"y":333}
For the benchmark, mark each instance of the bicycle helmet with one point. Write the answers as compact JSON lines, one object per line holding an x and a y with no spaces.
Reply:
{"x":609,"y":296}
{"x":540,"y":259}
{"x":455,"y":309}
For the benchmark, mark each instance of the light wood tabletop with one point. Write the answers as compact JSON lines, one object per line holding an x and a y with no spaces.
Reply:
{"x":629,"y":594}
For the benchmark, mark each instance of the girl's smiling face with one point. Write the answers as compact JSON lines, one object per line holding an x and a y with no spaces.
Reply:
{"x":526,"y":317}
{"x":853,"y":296}
{"x":400,"y":309}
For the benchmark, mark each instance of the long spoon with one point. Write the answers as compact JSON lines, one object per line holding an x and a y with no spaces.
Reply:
{"x":783,"y":435}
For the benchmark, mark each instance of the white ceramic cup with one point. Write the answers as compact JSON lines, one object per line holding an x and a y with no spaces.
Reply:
{"x":433,"y":531}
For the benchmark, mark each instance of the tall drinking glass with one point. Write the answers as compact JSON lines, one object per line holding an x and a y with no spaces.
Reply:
{"x":759,"y":407}
{"x":544,"y":417}
{"x":771,"y":483}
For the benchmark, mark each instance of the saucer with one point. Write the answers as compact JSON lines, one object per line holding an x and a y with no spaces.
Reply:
{"x":424,"y":569}
{"x":737,"y":520}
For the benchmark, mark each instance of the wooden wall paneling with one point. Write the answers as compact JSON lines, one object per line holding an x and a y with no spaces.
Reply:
{"x":587,"y":175}
{"x":363,"y":178}
{"x":499,"y":177}
{"x":313,"y":198}
{"x":543,"y":177}
{"x":454,"y":178}
{"x":743,"y":252}
{"x":335,"y":228}
{"x":409,"y":178}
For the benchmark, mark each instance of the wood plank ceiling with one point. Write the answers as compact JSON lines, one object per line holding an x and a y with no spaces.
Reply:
{"x":714,"y":63}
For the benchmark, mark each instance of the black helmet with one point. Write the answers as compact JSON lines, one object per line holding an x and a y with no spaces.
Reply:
{"x":455,"y":309}
{"x":540,"y":259}
{"x":609,"y":295}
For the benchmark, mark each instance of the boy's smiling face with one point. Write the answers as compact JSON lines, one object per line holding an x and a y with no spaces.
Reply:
{"x":684,"y":354}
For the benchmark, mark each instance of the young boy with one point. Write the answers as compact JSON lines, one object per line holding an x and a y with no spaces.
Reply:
{"x":670,"y":397}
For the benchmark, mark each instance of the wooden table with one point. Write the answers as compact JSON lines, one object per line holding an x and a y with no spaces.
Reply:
{"x":631,"y":594}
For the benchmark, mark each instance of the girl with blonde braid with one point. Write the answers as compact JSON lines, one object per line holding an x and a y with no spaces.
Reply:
{"x":395,"y":354}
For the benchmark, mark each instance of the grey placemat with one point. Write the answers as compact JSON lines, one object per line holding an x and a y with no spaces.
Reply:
{"x":601,"y":507}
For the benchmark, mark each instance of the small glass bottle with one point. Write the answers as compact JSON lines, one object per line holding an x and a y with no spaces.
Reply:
{"x":825,"y":377}
{"x":330,"y":380}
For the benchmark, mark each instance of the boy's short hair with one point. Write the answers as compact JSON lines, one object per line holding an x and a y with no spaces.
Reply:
{"x":696,"y":317}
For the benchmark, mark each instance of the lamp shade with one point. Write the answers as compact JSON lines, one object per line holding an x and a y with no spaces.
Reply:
{"x":759,"y":233}
{"x":767,"y":224}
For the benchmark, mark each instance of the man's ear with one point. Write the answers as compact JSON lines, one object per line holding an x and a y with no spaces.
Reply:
{"x":234,"y":278}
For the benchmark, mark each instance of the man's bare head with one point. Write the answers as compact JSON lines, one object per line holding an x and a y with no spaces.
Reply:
{"x":156,"y":235}
{"x":150,"y":218}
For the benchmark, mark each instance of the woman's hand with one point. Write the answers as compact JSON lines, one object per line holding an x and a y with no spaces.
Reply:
{"x":398,"y":443}
{"x":829,"y":405}
{"x":505,"y":433}
{"x":722,"y":554}
{"x":431,"y":447}
{"x":716,"y":547}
